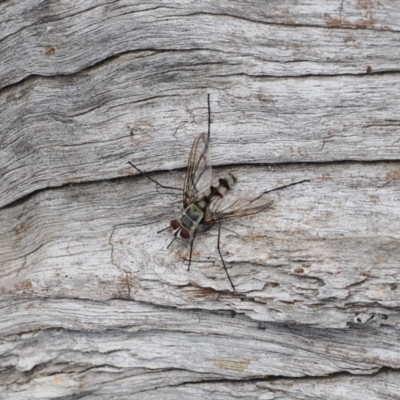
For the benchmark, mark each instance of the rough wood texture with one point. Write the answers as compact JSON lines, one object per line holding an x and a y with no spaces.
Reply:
{"x":93,"y":305}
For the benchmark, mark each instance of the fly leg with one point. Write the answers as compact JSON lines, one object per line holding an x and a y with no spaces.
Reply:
{"x":153,"y":180}
{"x":222,"y":259}
{"x":159,"y":184}
{"x":162,"y":230}
{"x":285,"y":186}
{"x":191,"y":249}
{"x":172,"y":241}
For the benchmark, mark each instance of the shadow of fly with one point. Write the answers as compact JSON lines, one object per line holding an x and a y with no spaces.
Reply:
{"x":205,"y":205}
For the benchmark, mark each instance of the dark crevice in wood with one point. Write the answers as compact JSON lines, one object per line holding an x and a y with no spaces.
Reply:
{"x":28,"y":196}
{"x":342,"y":25}
{"x":309,"y":163}
{"x":111,"y":58}
{"x":74,"y":74}
{"x":319,"y":76}
{"x":272,"y":378}
{"x":255,"y":331}
{"x":327,"y":334}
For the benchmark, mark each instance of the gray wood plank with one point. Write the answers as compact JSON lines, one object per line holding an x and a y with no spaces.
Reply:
{"x":285,"y":38}
{"x":92,"y":303}
{"x":328,"y":245}
{"x":86,"y":128}
{"x":156,"y":351}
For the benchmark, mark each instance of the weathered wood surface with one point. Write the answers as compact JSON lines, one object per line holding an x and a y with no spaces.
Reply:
{"x":93,"y":305}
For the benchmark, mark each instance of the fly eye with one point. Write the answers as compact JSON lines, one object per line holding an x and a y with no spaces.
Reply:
{"x":185,"y":233}
{"x":175,"y":224}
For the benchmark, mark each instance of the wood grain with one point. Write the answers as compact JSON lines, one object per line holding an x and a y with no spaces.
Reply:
{"x":56,"y":141}
{"x":92,"y":303}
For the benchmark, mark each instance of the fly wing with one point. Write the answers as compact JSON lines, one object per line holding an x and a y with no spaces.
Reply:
{"x":224,"y":209}
{"x":199,"y":173}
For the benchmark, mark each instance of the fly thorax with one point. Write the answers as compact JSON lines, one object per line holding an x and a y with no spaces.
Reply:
{"x":191,"y":217}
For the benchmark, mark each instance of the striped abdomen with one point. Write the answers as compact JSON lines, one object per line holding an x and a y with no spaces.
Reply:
{"x":224,"y":184}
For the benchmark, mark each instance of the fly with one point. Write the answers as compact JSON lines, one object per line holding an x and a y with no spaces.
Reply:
{"x":205,"y":205}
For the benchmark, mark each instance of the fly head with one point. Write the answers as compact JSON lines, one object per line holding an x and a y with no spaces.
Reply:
{"x":178,"y":229}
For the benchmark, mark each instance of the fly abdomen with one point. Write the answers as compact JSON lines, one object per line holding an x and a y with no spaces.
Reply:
{"x":224,"y":185}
